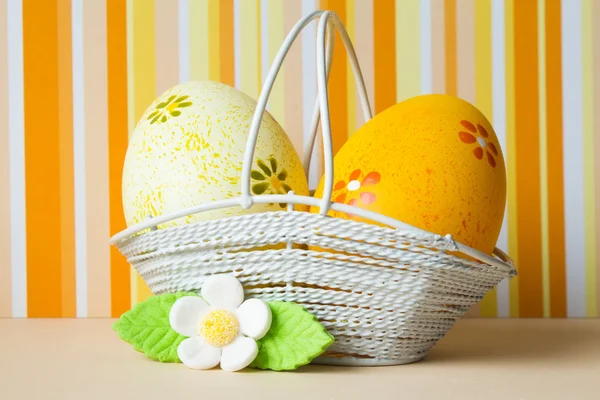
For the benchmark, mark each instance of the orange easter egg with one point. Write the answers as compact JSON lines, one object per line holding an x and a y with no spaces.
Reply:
{"x":432,"y":161}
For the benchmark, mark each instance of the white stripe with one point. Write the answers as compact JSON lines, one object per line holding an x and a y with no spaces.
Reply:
{"x":426,"y":69}
{"x":79,"y":158}
{"x":264,"y":39}
{"x":499,"y":122}
{"x":237,"y":40}
{"x":184,"y":40}
{"x":16,"y":142}
{"x":309,"y":88}
{"x":573,"y":161}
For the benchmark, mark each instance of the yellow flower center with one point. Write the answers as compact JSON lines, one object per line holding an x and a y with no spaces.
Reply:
{"x":275,"y":182}
{"x":219,"y":327}
{"x":172,"y":106}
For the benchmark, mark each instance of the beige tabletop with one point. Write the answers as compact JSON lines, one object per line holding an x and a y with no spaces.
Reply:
{"x":479,"y":359}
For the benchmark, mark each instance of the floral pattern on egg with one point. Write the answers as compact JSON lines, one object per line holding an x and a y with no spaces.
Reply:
{"x":188,"y":148}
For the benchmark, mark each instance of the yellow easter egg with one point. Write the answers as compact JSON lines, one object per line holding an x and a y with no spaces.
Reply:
{"x":188,"y":149}
{"x":432,"y":161}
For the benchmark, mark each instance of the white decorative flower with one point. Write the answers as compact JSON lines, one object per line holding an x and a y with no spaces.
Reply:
{"x":220,"y":328}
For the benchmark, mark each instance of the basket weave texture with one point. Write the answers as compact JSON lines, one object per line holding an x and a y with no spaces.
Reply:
{"x":386,"y":296}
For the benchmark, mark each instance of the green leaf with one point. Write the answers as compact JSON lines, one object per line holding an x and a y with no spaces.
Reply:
{"x":260,"y":188}
{"x":163,"y":119}
{"x":273,"y":164}
{"x":161,"y":105}
{"x":257,"y":175}
{"x":146,"y":327}
{"x":181,"y":98}
{"x":294,"y":339}
{"x":175,"y":113}
{"x":286,"y":187}
{"x":264,"y":167}
{"x":282,"y":175}
{"x":186,"y":104}
{"x":152,"y":115}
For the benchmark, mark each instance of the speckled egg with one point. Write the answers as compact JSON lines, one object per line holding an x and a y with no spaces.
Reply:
{"x":432,"y":161}
{"x":188,"y":149}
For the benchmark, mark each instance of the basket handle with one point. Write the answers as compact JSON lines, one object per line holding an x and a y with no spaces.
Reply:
{"x":323,"y":100}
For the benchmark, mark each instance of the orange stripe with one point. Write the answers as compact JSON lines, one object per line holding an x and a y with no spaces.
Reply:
{"x":292,"y":12}
{"x":438,"y":50}
{"x":116,"y":43}
{"x":528,"y":159}
{"x":450,"y":46}
{"x":42,"y":163}
{"x":483,"y":97}
{"x":5,"y":263}
{"x":511,"y":187}
{"x":67,"y":195}
{"x":556,"y":212}
{"x":338,"y":104}
{"x":596,"y":66}
{"x":226,"y":44}
{"x":465,"y":70}
{"x":384,"y":20}
{"x":167,"y":45}
{"x":96,"y":158}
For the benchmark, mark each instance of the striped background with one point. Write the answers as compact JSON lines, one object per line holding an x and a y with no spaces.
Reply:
{"x":76,"y":75}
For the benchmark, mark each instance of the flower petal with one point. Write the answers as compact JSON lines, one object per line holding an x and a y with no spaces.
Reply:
{"x":239,"y":354}
{"x":478,"y":153}
{"x":264,"y":167}
{"x":466,"y":137}
{"x":223,"y":291}
{"x":468,"y":125}
{"x":273,"y":165}
{"x":196,"y":354}
{"x":341,"y":198}
{"x":255,"y":318}
{"x":339,"y":185}
{"x":257,"y":176}
{"x":482,"y":131}
{"x":367,"y":197}
{"x":493,"y":148}
{"x":372,"y":178}
{"x":186,"y":314}
{"x":491,"y":160}
{"x":355,"y":174}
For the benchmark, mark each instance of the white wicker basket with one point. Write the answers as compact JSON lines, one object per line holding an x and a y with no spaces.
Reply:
{"x":386,"y":294}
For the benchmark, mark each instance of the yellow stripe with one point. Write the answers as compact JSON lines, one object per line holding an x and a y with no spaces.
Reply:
{"x":144,"y":73}
{"x":483,"y":99}
{"x":588,"y":157}
{"x":249,"y":52}
{"x":511,"y":148}
{"x":199,"y":56}
{"x":214,"y":61}
{"x":544,"y":157}
{"x":350,"y":83}
{"x":408,"y":53}
{"x":277,"y":98}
